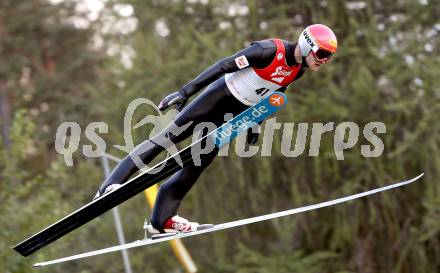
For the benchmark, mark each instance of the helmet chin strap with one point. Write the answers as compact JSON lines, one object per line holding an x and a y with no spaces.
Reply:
{"x":299,"y":54}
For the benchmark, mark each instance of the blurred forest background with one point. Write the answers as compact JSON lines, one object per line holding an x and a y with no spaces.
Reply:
{"x":86,"y":60}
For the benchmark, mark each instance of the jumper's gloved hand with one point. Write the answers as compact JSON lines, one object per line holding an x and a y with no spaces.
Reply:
{"x":177,"y":98}
{"x":252,"y":135}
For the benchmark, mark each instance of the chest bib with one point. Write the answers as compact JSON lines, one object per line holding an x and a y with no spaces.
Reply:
{"x":250,"y":85}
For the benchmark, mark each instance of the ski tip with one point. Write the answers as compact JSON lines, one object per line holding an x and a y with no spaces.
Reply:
{"x":414,"y":179}
{"x":420,"y":175}
{"x":411,"y":180}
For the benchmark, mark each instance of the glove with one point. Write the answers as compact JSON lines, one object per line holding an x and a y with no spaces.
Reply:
{"x":251,"y":137}
{"x":177,"y":98}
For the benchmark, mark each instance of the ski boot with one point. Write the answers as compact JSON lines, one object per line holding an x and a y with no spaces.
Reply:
{"x":173,"y":226}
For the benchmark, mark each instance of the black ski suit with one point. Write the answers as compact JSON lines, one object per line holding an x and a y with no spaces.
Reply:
{"x":210,"y":106}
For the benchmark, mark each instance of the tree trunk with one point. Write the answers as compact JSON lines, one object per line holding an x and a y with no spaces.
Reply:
{"x":5,"y":114}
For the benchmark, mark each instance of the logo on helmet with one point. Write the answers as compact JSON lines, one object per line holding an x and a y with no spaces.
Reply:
{"x":309,"y":40}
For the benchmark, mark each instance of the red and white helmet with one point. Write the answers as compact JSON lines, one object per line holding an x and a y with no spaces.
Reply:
{"x":318,"y":39}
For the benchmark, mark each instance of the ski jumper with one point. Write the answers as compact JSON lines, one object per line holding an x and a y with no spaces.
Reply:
{"x":233,"y":84}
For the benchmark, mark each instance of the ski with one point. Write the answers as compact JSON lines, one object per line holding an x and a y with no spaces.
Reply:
{"x":222,"y":135}
{"x":230,"y":224}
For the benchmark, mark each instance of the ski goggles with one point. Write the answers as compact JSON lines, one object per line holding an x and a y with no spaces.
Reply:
{"x":322,"y":55}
